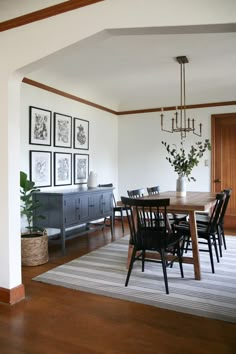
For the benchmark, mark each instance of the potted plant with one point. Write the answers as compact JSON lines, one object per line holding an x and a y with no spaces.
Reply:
{"x":34,"y":242}
{"x":184,"y":162}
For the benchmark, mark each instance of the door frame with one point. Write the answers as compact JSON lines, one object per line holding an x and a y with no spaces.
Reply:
{"x":214,"y":118}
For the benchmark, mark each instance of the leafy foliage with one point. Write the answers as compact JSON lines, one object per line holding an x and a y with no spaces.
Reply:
{"x":184,"y":162}
{"x":29,"y":205}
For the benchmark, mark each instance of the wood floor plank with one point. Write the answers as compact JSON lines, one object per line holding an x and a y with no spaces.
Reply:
{"x":56,"y":320}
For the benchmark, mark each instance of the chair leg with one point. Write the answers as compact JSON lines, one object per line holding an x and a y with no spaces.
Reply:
{"x":163,"y":262}
{"x":143,"y":260}
{"x":122,"y":221}
{"x":187,"y":243}
{"x":131,"y":265}
{"x":179,"y":254}
{"x":223,"y":236}
{"x":219,"y":236}
{"x":216,"y":249}
{"x":211,"y":255}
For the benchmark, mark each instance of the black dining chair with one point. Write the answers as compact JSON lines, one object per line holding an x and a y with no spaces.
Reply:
{"x":116,"y":208}
{"x":137,"y":193}
{"x":173,"y":218}
{"x":221,"y":231}
{"x":152,"y":235}
{"x":203,"y":218}
{"x":207,"y":233}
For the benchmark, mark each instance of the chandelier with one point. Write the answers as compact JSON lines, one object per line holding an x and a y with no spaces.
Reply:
{"x":180,"y":124}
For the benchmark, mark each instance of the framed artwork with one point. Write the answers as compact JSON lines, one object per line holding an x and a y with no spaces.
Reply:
{"x":39,"y":126}
{"x":62,"y":130}
{"x":41,"y":168}
{"x":62,"y":169}
{"x":81,"y":168}
{"x":81,"y":134}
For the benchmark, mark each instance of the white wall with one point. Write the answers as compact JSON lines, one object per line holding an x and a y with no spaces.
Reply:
{"x":124,"y":150}
{"x":103,"y":133}
{"x":142,"y":161}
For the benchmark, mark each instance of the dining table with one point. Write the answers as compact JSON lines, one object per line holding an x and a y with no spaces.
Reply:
{"x":189,"y":204}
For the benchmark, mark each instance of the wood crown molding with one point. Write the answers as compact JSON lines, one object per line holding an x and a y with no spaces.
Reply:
{"x":12,"y":296}
{"x":45,"y":13}
{"x":67,"y":95}
{"x":120,"y":113}
{"x":173,"y":108}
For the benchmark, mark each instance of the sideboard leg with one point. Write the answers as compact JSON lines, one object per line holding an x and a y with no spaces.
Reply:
{"x":63,"y":241}
{"x":112,"y":226}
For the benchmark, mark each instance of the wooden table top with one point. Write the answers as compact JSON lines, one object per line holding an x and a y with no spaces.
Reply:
{"x":200,"y":201}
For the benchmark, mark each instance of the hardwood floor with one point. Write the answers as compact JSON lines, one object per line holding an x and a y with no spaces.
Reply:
{"x":56,"y":320}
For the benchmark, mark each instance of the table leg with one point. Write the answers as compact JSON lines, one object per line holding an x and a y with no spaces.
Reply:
{"x":195,"y":250}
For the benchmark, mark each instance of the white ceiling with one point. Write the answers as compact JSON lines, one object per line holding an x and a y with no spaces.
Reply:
{"x":133,"y":69}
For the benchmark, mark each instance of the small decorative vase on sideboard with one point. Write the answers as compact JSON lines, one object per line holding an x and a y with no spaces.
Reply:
{"x":92,"y":180}
{"x":181,"y":186}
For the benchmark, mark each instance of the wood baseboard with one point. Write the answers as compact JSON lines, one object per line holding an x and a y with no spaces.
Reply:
{"x":12,"y":296}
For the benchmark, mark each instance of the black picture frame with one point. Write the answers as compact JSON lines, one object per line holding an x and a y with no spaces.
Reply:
{"x":40,"y":123}
{"x":62,"y":130}
{"x":62,"y":169}
{"x":81,"y":134}
{"x":81,"y":168}
{"x":41,"y":168}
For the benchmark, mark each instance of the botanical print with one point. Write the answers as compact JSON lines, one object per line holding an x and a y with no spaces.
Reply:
{"x":81,"y":168}
{"x":62,"y":169}
{"x":62,"y":130}
{"x":81,"y":134}
{"x":40,"y":168}
{"x":40,"y":126}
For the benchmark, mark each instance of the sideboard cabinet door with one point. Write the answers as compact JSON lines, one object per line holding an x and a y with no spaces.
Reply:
{"x":71,"y":210}
{"x":83,"y":208}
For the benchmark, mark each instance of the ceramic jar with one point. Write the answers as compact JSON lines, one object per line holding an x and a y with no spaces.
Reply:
{"x":92,"y":180}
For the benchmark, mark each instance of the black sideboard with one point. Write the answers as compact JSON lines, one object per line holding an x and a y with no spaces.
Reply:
{"x":65,"y":209}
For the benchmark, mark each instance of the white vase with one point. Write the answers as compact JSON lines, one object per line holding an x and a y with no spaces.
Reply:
{"x":92,"y":180}
{"x":181,"y":186}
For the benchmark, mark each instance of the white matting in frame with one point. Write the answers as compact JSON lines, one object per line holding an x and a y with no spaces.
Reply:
{"x":81,"y":168}
{"x":39,"y":126}
{"x":81,"y":134}
{"x":62,"y":169}
{"x":41,"y":168}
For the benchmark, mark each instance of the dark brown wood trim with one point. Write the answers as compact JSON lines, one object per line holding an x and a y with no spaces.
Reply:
{"x":172,"y":108}
{"x":213,"y":116}
{"x":67,"y":95}
{"x":12,"y":296}
{"x":103,"y":108}
{"x":45,"y":13}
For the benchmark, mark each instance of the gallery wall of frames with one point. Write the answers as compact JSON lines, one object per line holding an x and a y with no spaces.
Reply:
{"x":58,"y":168}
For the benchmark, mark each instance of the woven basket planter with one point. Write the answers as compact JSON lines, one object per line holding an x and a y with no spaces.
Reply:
{"x":34,"y":250}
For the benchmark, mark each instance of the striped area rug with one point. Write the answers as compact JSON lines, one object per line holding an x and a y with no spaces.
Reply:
{"x":104,"y":271}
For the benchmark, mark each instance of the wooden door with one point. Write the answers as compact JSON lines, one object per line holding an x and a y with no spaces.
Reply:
{"x":224,"y":160}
